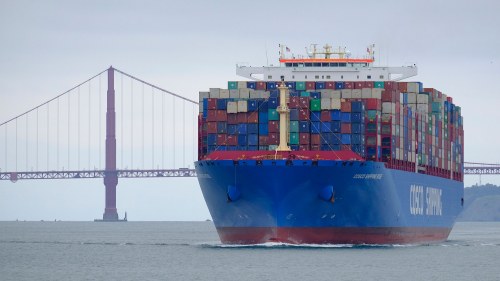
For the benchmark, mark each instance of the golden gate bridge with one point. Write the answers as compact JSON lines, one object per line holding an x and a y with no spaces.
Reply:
{"x":154,"y":136}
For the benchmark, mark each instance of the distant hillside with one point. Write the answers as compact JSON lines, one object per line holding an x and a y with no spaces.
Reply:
{"x":482,"y":203}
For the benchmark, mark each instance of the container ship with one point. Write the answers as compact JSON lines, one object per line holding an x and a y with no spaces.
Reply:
{"x":328,"y":149}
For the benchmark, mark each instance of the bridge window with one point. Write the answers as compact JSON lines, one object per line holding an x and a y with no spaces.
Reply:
{"x":316,"y":77}
{"x":368,"y":77}
{"x":325,"y":64}
{"x":301,"y":65}
{"x":328,"y":77}
{"x":335,"y":64}
{"x":306,"y":77}
{"x":269,"y":77}
{"x":341,"y":76}
{"x":342,"y":64}
{"x":308,"y":64}
{"x":317,"y":64}
{"x":381,"y":76}
{"x":288,"y":64}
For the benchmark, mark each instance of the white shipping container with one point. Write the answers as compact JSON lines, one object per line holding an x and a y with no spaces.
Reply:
{"x":377,"y":93}
{"x":337,"y":94}
{"x":242,"y":84}
{"x":266,"y":95}
{"x":242,"y":106}
{"x":326,"y":103}
{"x":326,"y":93}
{"x":412,"y":98}
{"x":214,"y":93}
{"x":204,"y":95}
{"x":389,"y":107}
{"x":232,"y":107}
{"x":398,"y":154}
{"x":200,"y":106}
{"x":366,"y":93}
{"x":346,"y":93}
{"x":244,"y":93}
{"x":423,"y":108}
{"x":423,"y":98}
{"x":224,"y":94}
{"x":335,"y":103}
{"x":412,"y":87}
{"x":255,"y":94}
{"x":356,"y":94}
{"x":234,"y":94}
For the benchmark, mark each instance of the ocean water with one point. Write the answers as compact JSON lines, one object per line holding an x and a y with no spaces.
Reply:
{"x":192,"y":251}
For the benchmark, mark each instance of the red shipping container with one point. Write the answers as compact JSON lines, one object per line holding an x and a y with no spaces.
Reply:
{"x":390,"y":85}
{"x":388,"y":96}
{"x":232,"y":140}
{"x":242,"y":117}
{"x":330,"y":85}
{"x":304,"y":138}
{"x":345,"y":106}
{"x":315,"y":139}
{"x":373,"y":104}
{"x":310,"y":86}
{"x":273,"y":139}
{"x":315,"y":147}
{"x":326,"y":116}
{"x":303,"y":114}
{"x":212,"y":127}
{"x":359,"y":85}
{"x":304,"y":147}
{"x":403,"y":87}
{"x":260,"y":86}
{"x":221,"y":116}
{"x":294,"y":102}
{"x":263,"y":140}
{"x":221,"y":139}
{"x":348,"y":85}
{"x":253,"y":117}
{"x":304,"y":102}
{"x":232,"y":118}
{"x":212,"y":104}
{"x":212,"y":115}
{"x":273,"y":126}
{"x":368,"y":84}
{"x":345,"y":128}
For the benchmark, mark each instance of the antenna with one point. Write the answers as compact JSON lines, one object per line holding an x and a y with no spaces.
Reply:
{"x":267,"y":58}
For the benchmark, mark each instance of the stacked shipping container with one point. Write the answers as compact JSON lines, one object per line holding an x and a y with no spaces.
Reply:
{"x":401,"y":123}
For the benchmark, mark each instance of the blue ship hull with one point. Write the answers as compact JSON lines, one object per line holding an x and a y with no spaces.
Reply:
{"x":326,"y":201}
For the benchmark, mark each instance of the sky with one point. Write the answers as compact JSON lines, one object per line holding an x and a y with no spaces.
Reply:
{"x":47,"y":47}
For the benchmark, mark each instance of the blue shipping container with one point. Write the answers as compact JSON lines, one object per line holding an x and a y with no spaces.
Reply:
{"x":304,"y":127}
{"x":242,"y":140}
{"x":315,"y":127}
{"x":335,"y":114}
{"x":263,"y":117}
{"x":242,"y":128}
{"x":253,"y":128}
{"x":263,"y":129}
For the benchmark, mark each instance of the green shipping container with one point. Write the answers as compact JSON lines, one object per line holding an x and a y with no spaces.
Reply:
{"x":371,"y":115}
{"x":305,"y":94}
{"x":300,"y":86}
{"x":272,"y":115}
{"x":232,"y":85}
{"x":294,"y":138}
{"x":294,"y":126}
{"x":379,"y":84}
{"x":315,"y":105}
{"x":436,"y":107}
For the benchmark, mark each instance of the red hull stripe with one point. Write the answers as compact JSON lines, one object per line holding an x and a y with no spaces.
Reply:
{"x":332,"y":235}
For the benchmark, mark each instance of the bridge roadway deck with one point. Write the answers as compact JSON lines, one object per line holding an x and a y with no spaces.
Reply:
{"x":14,"y":176}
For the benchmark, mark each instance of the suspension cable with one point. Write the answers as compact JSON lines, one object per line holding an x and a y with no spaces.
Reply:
{"x":152,"y":128}
{"x":90,"y":86}
{"x":34,"y":108}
